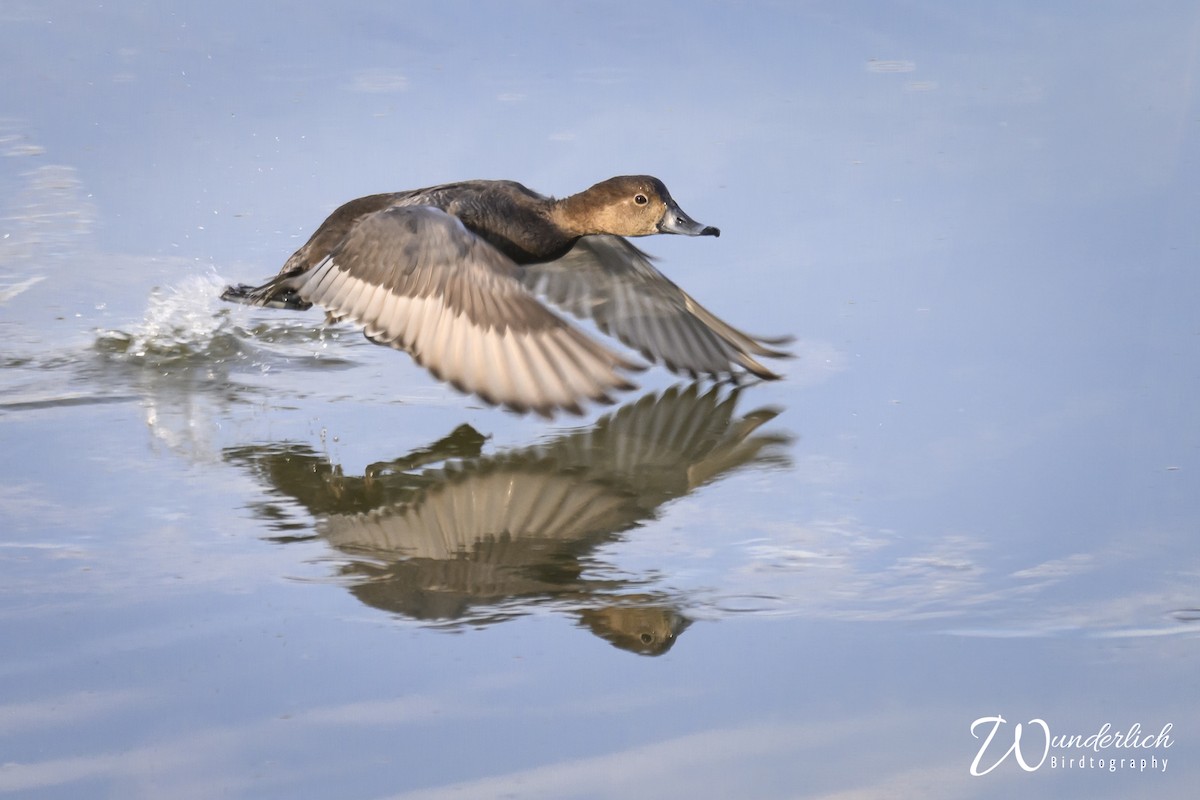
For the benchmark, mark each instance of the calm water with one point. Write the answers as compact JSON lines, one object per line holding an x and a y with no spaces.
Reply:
{"x":245,"y":556}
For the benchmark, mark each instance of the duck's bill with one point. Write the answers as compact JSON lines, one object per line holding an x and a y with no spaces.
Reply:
{"x":675,"y":221}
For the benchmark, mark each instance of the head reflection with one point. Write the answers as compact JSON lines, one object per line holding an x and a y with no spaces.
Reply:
{"x":452,"y":536}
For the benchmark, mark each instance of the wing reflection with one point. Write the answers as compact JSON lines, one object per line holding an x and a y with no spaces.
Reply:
{"x":451,"y":535}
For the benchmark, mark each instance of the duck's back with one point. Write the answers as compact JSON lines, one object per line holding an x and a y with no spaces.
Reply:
{"x":508,"y":215}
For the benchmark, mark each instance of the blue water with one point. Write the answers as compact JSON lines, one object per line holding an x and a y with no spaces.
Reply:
{"x":246,"y":555}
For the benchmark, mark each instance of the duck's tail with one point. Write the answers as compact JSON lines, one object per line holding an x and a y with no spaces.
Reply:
{"x":275,"y":293}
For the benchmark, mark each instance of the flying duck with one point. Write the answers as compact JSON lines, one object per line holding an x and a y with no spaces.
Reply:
{"x":452,"y":275}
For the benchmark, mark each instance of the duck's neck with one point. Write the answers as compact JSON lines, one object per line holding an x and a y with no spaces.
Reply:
{"x":528,"y":235}
{"x":573,"y":216}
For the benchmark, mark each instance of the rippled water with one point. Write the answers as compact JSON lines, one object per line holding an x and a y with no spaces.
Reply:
{"x":243,"y":554}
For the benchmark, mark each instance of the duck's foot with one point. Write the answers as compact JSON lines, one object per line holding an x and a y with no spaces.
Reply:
{"x":257,"y":296}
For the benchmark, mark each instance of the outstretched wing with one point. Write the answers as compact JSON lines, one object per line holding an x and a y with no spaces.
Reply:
{"x":611,"y":281}
{"x":415,"y":279}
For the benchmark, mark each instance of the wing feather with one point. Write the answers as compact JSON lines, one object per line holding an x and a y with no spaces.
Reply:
{"x":609,"y":280}
{"x":414,"y":278}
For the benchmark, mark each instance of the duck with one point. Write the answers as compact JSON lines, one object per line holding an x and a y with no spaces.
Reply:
{"x":461,"y":276}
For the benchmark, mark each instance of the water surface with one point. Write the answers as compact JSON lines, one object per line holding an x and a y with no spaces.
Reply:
{"x":246,"y":555}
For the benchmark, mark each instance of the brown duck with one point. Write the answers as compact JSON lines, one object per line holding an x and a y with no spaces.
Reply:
{"x":451,"y":275}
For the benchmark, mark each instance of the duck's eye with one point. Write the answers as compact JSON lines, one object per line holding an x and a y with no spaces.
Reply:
{"x":640,"y":199}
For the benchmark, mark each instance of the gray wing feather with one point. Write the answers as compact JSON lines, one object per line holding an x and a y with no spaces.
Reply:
{"x":608,"y":279}
{"x":414,"y":278}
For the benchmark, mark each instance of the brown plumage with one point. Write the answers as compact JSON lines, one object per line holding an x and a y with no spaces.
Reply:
{"x":450,"y":274}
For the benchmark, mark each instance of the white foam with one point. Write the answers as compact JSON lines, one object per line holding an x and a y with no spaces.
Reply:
{"x":180,"y":320}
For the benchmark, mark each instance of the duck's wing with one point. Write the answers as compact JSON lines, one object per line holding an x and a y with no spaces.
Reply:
{"x":610,"y":280}
{"x":417,"y":280}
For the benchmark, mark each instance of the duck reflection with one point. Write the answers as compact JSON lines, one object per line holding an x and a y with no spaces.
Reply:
{"x":453,"y":536}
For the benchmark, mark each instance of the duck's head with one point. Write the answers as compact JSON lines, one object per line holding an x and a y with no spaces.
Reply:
{"x":632,"y":205}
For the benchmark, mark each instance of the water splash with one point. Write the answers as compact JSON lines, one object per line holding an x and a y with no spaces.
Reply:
{"x":182,"y":322}
{"x":187,"y":324}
